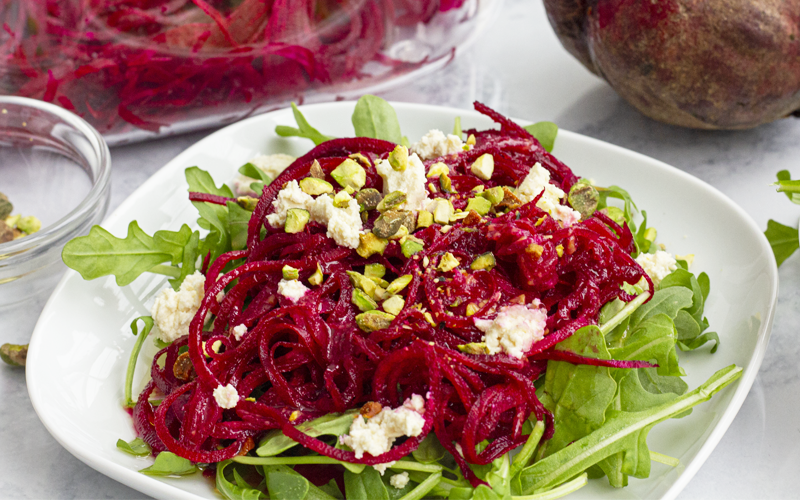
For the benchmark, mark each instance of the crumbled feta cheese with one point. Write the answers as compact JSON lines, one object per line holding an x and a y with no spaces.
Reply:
{"x":376,"y":435}
{"x":344,"y":224}
{"x":514,"y":329}
{"x":410,"y":181}
{"x":435,"y":144}
{"x":399,"y":481}
{"x":657,"y":265}
{"x":173,"y":311}
{"x":239,"y":331}
{"x":292,"y":289}
{"x":226,"y":396}
{"x":220,"y":295}
{"x":537,"y":179}
{"x":272,"y":165}
{"x":382,"y":467}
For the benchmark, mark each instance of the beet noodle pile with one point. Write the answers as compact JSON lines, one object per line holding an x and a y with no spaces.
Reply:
{"x":303,"y":360}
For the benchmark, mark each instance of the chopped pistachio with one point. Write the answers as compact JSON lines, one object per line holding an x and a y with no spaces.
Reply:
{"x":432,"y":188}
{"x":649,"y":234}
{"x":363,"y":160}
{"x":446,"y":228}
{"x":381,"y":293}
{"x":290,"y":273}
{"x":371,"y":321}
{"x":398,"y":159}
{"x":400,"y":234}
{"x":374,"y":271}
{"x":410,"y":220}
{"x":483,"y":166}
{"x":495,"y":195}
{"x":429,"y":319}
{"x":350,"y":190}
{"x":296,"y":220}
{"x":388,"y":224}
{"x":316,"y":170}
{"x":471,"y":140}
{"x":445,"y":183}
{"x":411,"y":245}
{"x":315,"y":187}
{"x":14,"y":355}
{"x":341,"y":199}
{"x":459,"y":215}
{"x":368,"y":198}
{"x":6,"y":207}
{"x":448,"y":263}
{"x":29,"y":224}
{"x":442,"y":211}
{"x":424,"y":219}
{"x":480,"y":205}
{"x":316,"y":278}
{"x":369,"y":245}
{"x":11,"y":220}
{"x":474,"y":348}
{"x":688,"y":258}
{"x":363,"y":283}
{"x":350,"y":173}
{"x":472,"y":309}
{"x":483,"y":261}
{"x":560,"y":250}
{"x":438,"y":168}
{"x":247,"y":202}
{"x":584,"y":198}
{"x":425,"y":261}
{"x":391,"y":201}
{"x":618,"y":216}
{"x":399,"y":284}
{"x":479,"y":188}
{"x":363,"y":301}
{"x":382,"y":283}
{"x":394,"y":304}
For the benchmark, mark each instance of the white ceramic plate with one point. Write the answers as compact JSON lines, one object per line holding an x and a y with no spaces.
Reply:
{"x":79,"y":350}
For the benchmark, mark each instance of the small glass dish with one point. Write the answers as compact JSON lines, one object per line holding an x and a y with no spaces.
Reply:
{"x":56,"y":167}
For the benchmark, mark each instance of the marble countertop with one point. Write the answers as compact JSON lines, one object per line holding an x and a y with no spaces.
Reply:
{"x":519,"y":68}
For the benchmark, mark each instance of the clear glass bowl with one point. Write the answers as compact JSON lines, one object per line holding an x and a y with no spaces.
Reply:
{"x":55,"y":166}
{"x":136,"y":69}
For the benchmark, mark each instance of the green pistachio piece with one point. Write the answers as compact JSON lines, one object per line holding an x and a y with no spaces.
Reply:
{"x":14,"y":355}
{"x":316,"y":170}
{"x":363,"y":160}
{"x":290,"y":273}
{"x":12,"y":220}
{"x":480,"y":205}
{"x":374,"y":320}
{"x":472,"y":309}
{"x":448,"y":263}
{"x":410,"y":245}
{"x":296,"y":220}
{"x":616,"y":214}
{"x":584,"y":198}
{"x":410,"y":220}
{"x":650,"y":234}
{"x":363,"y":283}
{"x":398,"y":159}
{"x":424,"y":219}
{"x":445,"y":183}
{"x":315,"y":187}
{"x":368,"y":198}
{"x":474,"y":348}
{"x":350,"y":173}
{"x":247,"y":202}
{"x":381,"y":293}
{"x":398,"y":284}
{"x":29,"y":224}
{"x":483,"y":261}
{"x":372,"y":271}
{"x":483,"y":166}
{"x":478,"y":189}
{"x":394,"y":304}
{"x":341,"y":199}
{"x":6,"y":207}
{"x":316,"y":278}
{"x":363,"y":301}
{"x":438,"y":168}
{"x":382,"y":283}
{"x":400,"y":234}
{"x":443,"y":211}
{"x":388,"y":224}
{"x":369,"y":244}
{"x":495,"y":195}
{"x":391,"y":201}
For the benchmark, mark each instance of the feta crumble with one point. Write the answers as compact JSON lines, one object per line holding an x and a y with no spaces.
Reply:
{"x":226,"y":396}
{"x":435,"y":144}
{"x":399,"y":481}
{"x":538,"y":179}
{"x":292,"y":289}
{"x":514,"y":329}
{"x":272,"y":165}
{"x":410,"y":181}
{"x":239,"y":331}
{"x":376,"y":435}
{"x":344,"y":224}
{"x":657,"y":265}
{"x":173,"y":311}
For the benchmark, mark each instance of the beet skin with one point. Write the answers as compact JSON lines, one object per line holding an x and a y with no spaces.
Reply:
{"x":710,"y":64}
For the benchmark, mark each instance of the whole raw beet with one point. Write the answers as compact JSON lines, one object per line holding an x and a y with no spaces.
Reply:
{"x":711,"y":64}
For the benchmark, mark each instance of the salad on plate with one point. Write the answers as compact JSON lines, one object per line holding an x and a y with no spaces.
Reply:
{"x":459,"y":317}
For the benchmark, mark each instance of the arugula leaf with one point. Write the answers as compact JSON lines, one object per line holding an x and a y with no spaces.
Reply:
{"x":653,"y":338}
{"x":137,"y":347}
{"x":364,"y":486}
{"x":783,"y":240}
{"x":284,"y":482}
{"x":374,"y":117}
{"x":332,"y":424}
{"x":430,"y":450}
{"x":622,"y":432}
{"x":332,"y":489}
{"x":238,"y":221}
{"x":102,"y":254}
{"x":238,"y":491}
{"x":787,"y":186}
{"x":189,"y":261}
{"x":137,"y":447}
{"x":668,"y":301}
{"x":629,"y":207}
{"x":170,"y":464}
{"x":654,"y":383}
{"x":250,"y":170}
{"x":303,"y":130}
{"x":201,"y":181}
{"x":545,"y":133}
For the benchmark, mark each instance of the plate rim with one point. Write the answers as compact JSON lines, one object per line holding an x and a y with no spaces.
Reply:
{"x":155,"y":487}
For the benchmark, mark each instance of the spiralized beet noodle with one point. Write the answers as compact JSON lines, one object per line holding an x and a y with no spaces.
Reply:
{"x":299,"y":361}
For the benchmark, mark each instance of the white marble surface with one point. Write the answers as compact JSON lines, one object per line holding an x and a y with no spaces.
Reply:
{"x":519,"y":68}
